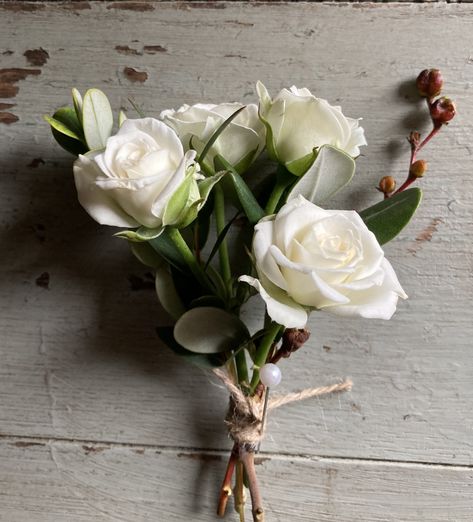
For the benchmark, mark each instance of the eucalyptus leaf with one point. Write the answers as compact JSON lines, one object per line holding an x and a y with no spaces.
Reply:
{"x":252,"y":208}
{"x":387,"y":218}
{"x":167,"y":293}
{"x":146,"y":254}
{"x":165,"y":333}
{"x":331,"y":170}
{"x":140,"y":234}
{"x":210,"y":330}
{"x":97,"y":119}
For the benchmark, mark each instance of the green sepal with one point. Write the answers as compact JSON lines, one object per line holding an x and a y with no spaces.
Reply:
{"x":300,"y":166}
{"x":165,"y":333}
{"x":387,"y":218}
{"x":140,"y":234}
{"x":251,"y":207}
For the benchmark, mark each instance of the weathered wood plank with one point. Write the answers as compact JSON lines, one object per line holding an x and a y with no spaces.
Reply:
{"x":80,"y":359}
{"x":78,"y":483}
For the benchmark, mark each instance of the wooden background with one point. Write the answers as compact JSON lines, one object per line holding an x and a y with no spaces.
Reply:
{"x":98,"y":422}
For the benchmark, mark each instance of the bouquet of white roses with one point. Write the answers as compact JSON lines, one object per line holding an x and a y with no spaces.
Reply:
{"x":176,"y":184}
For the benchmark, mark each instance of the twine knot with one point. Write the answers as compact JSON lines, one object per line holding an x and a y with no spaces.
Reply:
{"x":244,"y":416}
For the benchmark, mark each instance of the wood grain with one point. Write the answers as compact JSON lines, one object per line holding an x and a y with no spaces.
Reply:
{"x":80,"y":358}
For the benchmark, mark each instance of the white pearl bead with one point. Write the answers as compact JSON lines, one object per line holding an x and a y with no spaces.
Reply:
{"x":270,"y":375}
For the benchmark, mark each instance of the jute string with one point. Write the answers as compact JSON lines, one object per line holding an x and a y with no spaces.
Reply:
{"x":244,"y":416}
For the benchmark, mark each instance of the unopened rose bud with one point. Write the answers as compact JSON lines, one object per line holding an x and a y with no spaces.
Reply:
{"x":429,"y":83}
{"x":418,"y":168}
{"x":442,"y":110}
{"x":387,"y":184}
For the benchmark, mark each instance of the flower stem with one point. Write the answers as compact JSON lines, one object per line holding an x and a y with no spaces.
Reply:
{"x":275,"y":196}
{"x":248,"y":460}
{"x":219,"y":208}
{"x":263,"y":352}
{"x":226,"y":489}
{"x":189,"y":257}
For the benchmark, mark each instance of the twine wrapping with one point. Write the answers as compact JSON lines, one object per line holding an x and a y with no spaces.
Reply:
{"x":244,"y":415}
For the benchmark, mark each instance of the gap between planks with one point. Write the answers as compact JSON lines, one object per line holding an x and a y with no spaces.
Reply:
{"x":26,"y":441}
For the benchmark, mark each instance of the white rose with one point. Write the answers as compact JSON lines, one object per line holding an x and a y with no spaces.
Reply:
{"x":240,"y":143}
{"x":309,"y":258}
{"x":129,"y":183}
{"x":300,"y":122}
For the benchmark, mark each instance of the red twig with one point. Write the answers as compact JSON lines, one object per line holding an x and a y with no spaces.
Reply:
{"x":226,"y":489}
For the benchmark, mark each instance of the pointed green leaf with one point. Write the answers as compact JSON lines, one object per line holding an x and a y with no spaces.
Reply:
{"x":166,"y":248}
{"x":387,"y":218}
{"x":165,"y":333}
{"x":121,"y":118}
{"x":71,"y":145}
{"x":140,"y":234}
{"x":210,"y":330}
{"x":244,"y":164}
{"x":62,"y":128}
{"x":331,"y":171}
{"x":219,"y":240}
{"x":248,"y":202}
{"x":97,"y":119}
{"x":167,"y":293}
{"x":77,"y":100}
{"x":217,"y":133}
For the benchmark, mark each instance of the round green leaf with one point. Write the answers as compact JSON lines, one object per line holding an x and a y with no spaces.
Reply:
{"x":97,"y":119}
{"x":210,"y":330}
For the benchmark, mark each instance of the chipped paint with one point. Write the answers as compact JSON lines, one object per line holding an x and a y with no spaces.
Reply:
{"x":125,"y":49}
{"x":131,"y":6}
{"x":36,"y":57}
{"x":135,"y":76}
{"x":8,"y":118}
{"x":153,"y":49}
{"x":147,"y":49}
{"x":10,"y":77}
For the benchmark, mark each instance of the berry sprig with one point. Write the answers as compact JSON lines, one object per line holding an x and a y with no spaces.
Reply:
{"x":442,"y":110}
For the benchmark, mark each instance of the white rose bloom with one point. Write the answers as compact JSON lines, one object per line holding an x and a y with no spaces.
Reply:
{"x":240,"y":143}
{"x":309,"y":258}
{"x":129,"y":183}
{"x":301,"y":122}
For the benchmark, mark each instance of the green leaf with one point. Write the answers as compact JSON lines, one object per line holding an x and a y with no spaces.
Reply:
{"x":210,"y":330}
{"x":77,"y":100}
{"x":219,"y":240}
{"x":121,"y":118}
{"x":331,"y":170}
{"x":166,"y":248}
{"x":207,"y":184}
{"x":167,"y":293}
{"x":300,"y":166}
{"x":73,"y":146}
{"x":61,"y":127}
{"x":135,"y":106}
{"x":140,"y":234}
{"x":387,"y":218}
{"x":217,"y":133}
{"x":146,"y":254}
{"x":208,"y":300}
{"x":251,"y":207}
{"x":97,"y":119}
{"x":165,"y":333}
{"x":244,"y":164}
